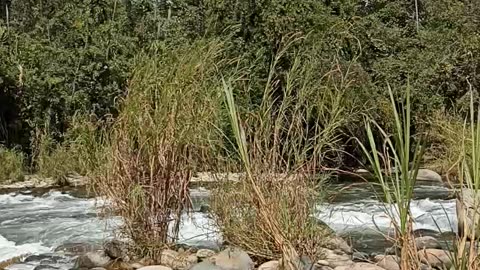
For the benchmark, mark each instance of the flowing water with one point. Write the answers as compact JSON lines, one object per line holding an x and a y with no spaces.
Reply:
{"x":42,"y":223}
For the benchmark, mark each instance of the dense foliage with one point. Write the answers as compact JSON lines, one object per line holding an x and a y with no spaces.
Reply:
{"x":61,"y":58}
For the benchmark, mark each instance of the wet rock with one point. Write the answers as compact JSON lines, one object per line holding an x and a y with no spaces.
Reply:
{"x":359,"y":266}
{"x":92,"y":260}
{"x":437,"y":258}
{"x":78,"y":248}
{"x":233,"y":259}
{"x":204,"y":208}
{"x":205,"y":266}
{"x":388,"y":262}
{"x":116,"y":249}
{"x":205,"y":253}
{"x":428,"y":175}
{"x":426,"y":242}
{"x":155,"y":267}
{"x":43,"y":258}
{"x":271,"y":265}
{"x":339,"y":243}
{"x":45,"y":267}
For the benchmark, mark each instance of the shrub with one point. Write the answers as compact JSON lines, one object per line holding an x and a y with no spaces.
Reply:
{"x":12,"y":165}
{"x":163,"y":130}
{"x":280,"y":144}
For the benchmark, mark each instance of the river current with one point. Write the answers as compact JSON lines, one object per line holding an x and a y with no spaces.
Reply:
{"x":39,"y":223}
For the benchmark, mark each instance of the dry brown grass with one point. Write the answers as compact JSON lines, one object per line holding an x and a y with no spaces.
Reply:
{"x":281,"y":146}
{"x":160,"y":135}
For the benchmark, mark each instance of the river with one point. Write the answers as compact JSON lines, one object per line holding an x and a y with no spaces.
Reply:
{"x":41,"y":222}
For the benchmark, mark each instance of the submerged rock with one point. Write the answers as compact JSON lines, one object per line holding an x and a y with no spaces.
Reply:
{"x":91,"y":260}
{"x":233,"y":259}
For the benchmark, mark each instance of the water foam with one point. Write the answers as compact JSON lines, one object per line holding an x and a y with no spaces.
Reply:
{"x":9,"y":250}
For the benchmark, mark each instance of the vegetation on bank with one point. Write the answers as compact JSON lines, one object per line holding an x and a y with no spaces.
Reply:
{"x":139,"y":95}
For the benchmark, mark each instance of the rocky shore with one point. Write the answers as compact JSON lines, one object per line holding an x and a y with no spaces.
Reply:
{"x":338,"y":256}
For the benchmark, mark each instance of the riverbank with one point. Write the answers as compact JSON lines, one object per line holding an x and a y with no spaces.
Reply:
{"x":61,"y":221}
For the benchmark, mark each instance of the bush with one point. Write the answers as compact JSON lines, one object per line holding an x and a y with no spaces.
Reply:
{"x":164,"y":128}
{"x":12,"y":165}
{"x":280,"y":144}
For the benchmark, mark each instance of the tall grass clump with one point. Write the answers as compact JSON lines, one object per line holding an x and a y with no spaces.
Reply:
{"x":162,"y":132}
{"x":280,"y":146}
{"x":395,"y":161}
{"x":12,"y":164}
{"x":465,"y":252}
{"x":80,"y":151}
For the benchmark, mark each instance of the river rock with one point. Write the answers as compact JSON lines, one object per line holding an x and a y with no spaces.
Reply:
{"x":336,"y":258}
{"x":137,"y":265}
{"x":116,"y":249}
{"x":360,"y":266}
{"x":437,"y":258}
{"x":205,"y":253}
{"x":426,"y":242}
{"x":337,"y":242}
{"x":233,"y":258}
{"x":205,"y":266}
{"x":389,"y":262}
{"x":271,"y":265}
{"x":466,"y":203}
{"x":360,"y":256}
{"x":45,"y":267}
{"x":177,"y":260}
{"x":155,"y":267}
{"x":428,"y":175}
{"x":91,"y":260}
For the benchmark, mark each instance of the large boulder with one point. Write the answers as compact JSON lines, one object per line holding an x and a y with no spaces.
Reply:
{"x":91,"y":260}
{"x":428,"y":175}
{"x":436,"y":258}
{"x":466,"y":204}
{"x":233,"y":258}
